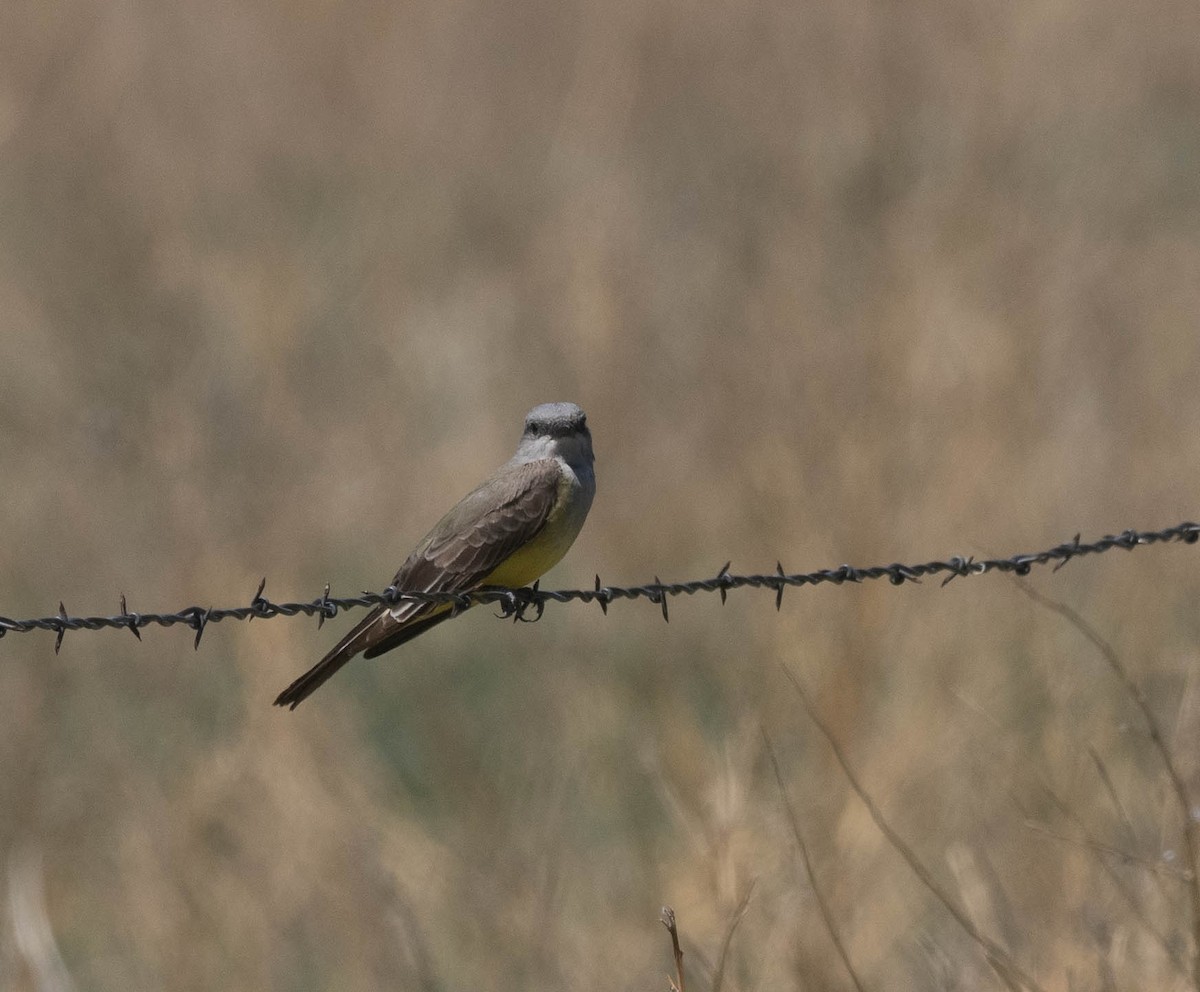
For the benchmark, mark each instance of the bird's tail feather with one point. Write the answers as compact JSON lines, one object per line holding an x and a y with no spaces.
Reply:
{"x":347,"y":648}
{"x":313,"y":679}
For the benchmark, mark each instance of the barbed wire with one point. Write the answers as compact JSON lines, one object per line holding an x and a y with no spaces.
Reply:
{"x":516,"y":603}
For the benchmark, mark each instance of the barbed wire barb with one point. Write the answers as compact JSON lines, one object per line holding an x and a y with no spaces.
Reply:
{"x":326,"y":609}
{"x":517,"y":602}
{"x":133,"y":628}
{"x":257,"y":602}
{"x":62,"y":615}
{"x":600,"y":597}
{"x":719,"y":581}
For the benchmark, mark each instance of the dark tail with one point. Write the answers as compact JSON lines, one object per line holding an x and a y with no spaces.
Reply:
{"x":367,"y":639}
{"x":313,"y":679}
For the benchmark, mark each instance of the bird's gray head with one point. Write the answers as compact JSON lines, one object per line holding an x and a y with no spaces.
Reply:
{"x":556,"y":429}
{"x":555,"y":420}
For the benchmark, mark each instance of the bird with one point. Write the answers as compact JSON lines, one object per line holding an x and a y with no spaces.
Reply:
{"x":507,"y":531}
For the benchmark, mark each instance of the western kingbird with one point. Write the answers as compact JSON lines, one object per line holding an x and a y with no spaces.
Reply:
{"x":507,"y":531}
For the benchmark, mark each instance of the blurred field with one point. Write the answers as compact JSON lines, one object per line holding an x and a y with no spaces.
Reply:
{"x":855,"y":282}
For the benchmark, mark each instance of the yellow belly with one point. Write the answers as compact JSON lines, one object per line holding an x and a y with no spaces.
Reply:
{"x":533,"y":560}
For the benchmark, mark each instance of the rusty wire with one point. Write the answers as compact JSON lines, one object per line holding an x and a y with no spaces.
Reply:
{"x":516,"y":603}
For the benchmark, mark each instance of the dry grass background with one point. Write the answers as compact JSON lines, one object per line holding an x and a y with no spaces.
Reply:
{"x":835,"y":282}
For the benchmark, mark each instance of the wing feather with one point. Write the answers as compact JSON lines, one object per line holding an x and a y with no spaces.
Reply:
{"x":474,"y":538}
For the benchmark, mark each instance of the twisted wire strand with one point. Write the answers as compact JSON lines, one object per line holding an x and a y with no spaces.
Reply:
{"x":516,"y":603}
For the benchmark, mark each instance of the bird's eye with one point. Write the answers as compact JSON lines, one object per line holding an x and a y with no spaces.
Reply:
{"x":534,"y":427}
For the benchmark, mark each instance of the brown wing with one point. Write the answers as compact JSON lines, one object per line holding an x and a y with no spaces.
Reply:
{"x":487,"y":526}
{"x":465,"y":546}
